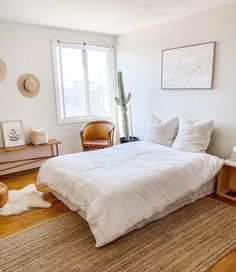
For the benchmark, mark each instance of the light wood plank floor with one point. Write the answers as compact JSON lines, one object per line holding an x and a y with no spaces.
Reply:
{"x":11,"y":224}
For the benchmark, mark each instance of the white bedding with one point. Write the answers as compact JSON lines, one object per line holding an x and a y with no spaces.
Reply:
{"x":119,"y":187}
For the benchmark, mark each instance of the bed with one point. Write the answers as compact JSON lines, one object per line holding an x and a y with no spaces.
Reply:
{"x":124,"y":187}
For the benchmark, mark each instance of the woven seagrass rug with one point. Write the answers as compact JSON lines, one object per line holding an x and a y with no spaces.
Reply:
{"x":191,"y":239}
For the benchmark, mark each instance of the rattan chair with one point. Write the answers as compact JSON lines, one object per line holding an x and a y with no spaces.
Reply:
{"x":97,"y":135}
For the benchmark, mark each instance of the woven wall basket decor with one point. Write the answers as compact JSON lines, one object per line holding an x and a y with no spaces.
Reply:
{"x":28,"y":84}
{"x":3,"y":70}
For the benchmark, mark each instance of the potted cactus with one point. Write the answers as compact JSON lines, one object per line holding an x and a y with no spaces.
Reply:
{"x":122,"y":101}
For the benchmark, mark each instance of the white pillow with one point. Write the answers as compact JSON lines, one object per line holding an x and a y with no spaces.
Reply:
{"x":193,"y":137}
{"x":161,"y":132}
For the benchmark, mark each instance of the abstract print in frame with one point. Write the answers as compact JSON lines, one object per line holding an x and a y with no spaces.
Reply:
{"x":188,"y":67}
{"x":13,"y":133}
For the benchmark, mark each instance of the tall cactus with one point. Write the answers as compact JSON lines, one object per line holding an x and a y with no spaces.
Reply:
{"x":122,"y":101}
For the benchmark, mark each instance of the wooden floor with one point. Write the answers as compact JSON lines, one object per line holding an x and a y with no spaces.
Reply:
{"x":11,"y":224}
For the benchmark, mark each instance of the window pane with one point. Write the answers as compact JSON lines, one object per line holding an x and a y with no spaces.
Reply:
{"x":98,"y":82}
{"x":73,"y":82}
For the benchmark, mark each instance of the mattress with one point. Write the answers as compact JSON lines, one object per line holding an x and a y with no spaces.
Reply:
{"x":119,"y":188}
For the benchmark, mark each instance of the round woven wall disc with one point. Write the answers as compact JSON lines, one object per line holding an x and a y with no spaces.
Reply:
{"x":3,"y":70}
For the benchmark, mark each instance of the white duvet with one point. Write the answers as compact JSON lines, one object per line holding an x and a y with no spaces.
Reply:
{"x":121,"y":186}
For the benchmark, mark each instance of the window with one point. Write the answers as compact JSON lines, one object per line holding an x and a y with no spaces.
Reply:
{"x":83,"y":80}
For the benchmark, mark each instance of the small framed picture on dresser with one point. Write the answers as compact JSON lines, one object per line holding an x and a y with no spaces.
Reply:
{"x":13,"y":133}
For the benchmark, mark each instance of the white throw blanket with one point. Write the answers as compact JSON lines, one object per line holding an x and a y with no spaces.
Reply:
{"x":121,"y":186}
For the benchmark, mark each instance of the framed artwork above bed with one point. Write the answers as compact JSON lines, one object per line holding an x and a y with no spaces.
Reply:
{"x":188,"y":67}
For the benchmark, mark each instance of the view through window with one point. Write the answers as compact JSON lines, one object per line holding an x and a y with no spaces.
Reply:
{"x":84,"y":73}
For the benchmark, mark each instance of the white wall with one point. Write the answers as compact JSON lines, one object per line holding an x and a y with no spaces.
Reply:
{"x":26,"y":48}
{"x":139,"y":57}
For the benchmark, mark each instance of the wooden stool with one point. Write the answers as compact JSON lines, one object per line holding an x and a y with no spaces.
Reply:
{"x":3,"y":194}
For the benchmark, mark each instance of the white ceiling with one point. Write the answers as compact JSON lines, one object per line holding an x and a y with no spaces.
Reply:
{"x":105,"y":16}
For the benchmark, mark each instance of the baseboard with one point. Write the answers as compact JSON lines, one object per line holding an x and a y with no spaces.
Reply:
{"x":19,"y":173}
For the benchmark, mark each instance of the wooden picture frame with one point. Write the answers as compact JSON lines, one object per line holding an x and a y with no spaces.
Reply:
{"x":13,"y":133}
{"x":188,"y":67}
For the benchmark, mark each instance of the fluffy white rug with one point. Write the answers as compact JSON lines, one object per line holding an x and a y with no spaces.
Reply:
{"x":24,"y":199}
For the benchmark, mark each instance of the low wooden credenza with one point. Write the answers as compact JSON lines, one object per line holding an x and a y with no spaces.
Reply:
{"x":52,"y":144}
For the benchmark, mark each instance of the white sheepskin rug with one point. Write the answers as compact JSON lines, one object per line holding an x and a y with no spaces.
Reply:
{"x":24,"y":199}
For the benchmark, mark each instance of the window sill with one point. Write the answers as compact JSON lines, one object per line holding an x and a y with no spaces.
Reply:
{"x":75,"y":120}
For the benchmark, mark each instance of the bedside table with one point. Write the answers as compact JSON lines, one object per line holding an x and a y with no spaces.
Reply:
{"x":226,"y":181}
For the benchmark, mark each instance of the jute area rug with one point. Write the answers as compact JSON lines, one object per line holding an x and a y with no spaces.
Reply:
{"x":190,"y":239}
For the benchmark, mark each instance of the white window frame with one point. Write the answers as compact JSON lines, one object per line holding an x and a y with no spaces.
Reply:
{"x":61,"y":118}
